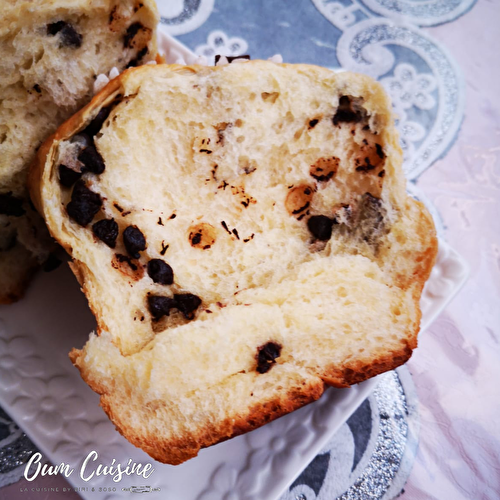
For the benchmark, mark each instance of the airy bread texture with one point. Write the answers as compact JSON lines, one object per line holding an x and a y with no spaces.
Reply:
{"x":50,"y":55}
{"x":247,"y":241}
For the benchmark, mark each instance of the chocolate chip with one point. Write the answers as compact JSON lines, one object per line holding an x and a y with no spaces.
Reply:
{"x":202,"y":236}
{"x":347,"y":112}
{"x":195,"y":240}
{"x":134,"y":241}
{"x":267,"y":355}
{"x":160,"y":306}
{"x":92,"y":160}
{"x":84,"y":204}
{"x":187,"y":303}
{"x":107,"y":231}
{"x":132,"y":30}
{"x":94,"y":127}
{"x":11,"y":205}
{"x":313,"y":123}
{"x":68,"y":35}
{"x":320,"y":226}
{"x":68,"y":176}
{"x":231,"y":58}
{"x":380,"y":151}
{"x":37,"y":88}
{"x":160,"y":272}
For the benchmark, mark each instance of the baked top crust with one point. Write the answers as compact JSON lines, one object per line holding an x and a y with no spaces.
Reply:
{"x":244,"y":238}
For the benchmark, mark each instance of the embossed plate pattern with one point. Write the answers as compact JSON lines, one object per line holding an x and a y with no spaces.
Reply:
{"x":43,"y":392}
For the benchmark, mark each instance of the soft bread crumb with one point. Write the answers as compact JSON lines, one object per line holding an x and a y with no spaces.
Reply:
{"x":275,"y":195}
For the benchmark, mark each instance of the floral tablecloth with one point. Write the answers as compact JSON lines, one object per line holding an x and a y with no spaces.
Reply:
{"x":429,"y":431}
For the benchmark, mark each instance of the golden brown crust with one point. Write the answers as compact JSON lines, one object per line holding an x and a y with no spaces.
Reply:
{"x":356,"y":372}
{"x":177,"y":450}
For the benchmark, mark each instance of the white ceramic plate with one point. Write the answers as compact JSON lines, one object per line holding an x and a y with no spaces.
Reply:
{"x":43,"y":392}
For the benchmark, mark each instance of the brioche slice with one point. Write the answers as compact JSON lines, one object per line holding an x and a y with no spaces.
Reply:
{"x":50,"y":55}
{"x":244,"y":238}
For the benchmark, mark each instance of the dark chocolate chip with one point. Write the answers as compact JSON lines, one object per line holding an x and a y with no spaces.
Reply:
{"x":160,"y":272}
{"x":132,"y":30}
{"x":313,"y":123}
{"x":320,"y":226}
{"x":107,"y":231}
{"x":267,"y":355}
{"x":68,"y":35}
{"x":68,"y":176}
{"x":94,"y":127}
{"x":160,"y":306}
{"x":92,"y":160}
{"x":195,"y":240}
{"x":37,"y":88}
{"x":231,"y":58}
{"x":346,"y":112}
{"x":136,"y":61}
{"x":380,"y":151}
{"x":84,"y":204}
{"x":134,"y":241}
{"x":11,"y":205}
{"x":187,"y":303}
{"x":52,"y":263}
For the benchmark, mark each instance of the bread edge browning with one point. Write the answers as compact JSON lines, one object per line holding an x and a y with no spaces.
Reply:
{"x":176,"y":452}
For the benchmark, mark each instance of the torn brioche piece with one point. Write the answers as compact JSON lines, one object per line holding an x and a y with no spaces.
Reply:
{"x":50,"y":56}
{"x":244,"y":238}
